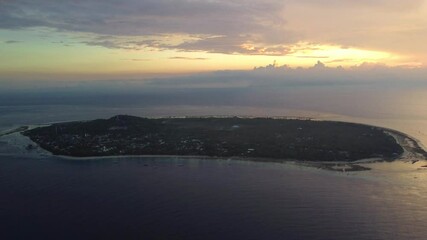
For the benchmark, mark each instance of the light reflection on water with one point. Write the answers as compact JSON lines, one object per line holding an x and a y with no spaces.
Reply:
{"x":218,"y":199}
{"x":205,"y":199}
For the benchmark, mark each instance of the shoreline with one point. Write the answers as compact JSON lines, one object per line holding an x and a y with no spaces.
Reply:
{"x":14,"y":130}
{"x":18,"y":143}
{"x":331,"y":166}
{"x":410,"y":145}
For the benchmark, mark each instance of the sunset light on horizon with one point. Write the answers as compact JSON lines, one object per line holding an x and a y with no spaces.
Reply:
{"x":99,"y":40}
{"x":213,"y":119}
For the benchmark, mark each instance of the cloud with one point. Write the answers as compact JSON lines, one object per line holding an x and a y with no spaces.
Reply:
{"x":11,"y":41}
{"x":250,"y":27}
{"x":389,"y":5}
{"x":273,"y":76}
{"x":188,"y":58}
{"x":138,"y":59}
{"x":236,"y":22}
{"x":150,"y":42}
{"x":359,"y":91}
{"x":309,"y":56}
{"x":106,"y":44}
{"x":390,"y":26}
{"x":147,"y":17}
{"x":233,"y":44}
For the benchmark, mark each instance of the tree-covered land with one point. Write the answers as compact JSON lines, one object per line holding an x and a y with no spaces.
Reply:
{"x":220,"y":137}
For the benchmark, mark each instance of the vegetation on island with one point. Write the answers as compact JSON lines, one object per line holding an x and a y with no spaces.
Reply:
{"x":264,"y":138}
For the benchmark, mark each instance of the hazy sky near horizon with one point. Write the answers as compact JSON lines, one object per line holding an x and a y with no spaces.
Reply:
{"x":133,"y":39}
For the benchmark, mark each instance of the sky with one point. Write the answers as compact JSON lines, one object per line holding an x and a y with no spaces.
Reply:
{"x":146,"y":39}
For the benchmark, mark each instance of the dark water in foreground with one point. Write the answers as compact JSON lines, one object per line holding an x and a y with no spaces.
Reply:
{"x":200,"y":199}
{"x":45,"y":198}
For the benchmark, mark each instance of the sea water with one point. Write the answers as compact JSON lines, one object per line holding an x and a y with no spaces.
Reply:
{"x":170,"y":198}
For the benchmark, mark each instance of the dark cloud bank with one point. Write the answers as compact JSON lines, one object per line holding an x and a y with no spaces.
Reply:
{"x":269,"y":86}
{"x":219,"y":26}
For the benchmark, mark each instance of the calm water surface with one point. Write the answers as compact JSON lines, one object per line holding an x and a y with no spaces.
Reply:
{"x":153,"y":198}
{"x":43,"y":197}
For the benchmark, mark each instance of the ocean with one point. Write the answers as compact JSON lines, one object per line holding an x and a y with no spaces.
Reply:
{"x":46,"y":197}
{"x":165,"y":198}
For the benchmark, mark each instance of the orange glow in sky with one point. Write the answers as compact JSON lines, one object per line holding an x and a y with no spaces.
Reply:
{"x":37,"y":42}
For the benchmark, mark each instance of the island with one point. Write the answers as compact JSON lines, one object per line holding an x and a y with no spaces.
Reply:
{"x":266,"y":139}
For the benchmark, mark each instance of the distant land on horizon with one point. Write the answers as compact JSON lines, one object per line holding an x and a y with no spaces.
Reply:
{"x":267,"y":139}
